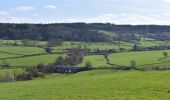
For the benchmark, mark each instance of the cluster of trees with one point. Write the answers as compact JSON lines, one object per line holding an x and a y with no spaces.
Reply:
{"x":65,"y":32}
{"x":75,"y":57}
{"x":80,"y":31}
{"x":136,"y":47}
{"x":37,"y":71}
{"x":55,"y":42}
{"x":130,"y":37}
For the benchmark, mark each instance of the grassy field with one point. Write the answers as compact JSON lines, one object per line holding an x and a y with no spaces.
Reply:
{"x":31,"y":61}
{"x":92,"y":85}
{"x":96,"y":60}
{"x":88,"y":85}
{"x":144,"y":58}
{"x":20,"y":50}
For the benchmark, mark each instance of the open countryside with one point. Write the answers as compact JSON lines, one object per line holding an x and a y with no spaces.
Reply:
{"x":85,"y":50}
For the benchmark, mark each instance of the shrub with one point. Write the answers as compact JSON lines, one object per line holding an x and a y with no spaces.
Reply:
{"x":165,"y":54}
{"x":88,"y":65}
{"x":133,"y":63}
{"x":5,"y":64}
{"x":60,"y":61}
{"x":24,"y":76}
{"x":7,"y":77}
{"x":48,"y":50}
{"x":33,"y":71}
{"x":45,"y":68}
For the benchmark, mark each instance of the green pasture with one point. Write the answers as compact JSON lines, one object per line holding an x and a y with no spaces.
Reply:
{"x":21,"y":50}
{"x":96,"y":61}
{"x":92,"y":85}
{"x":144,"y":58}
{"x":31,"y":61}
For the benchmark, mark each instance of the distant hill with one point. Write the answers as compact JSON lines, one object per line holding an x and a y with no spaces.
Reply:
{"x":94,"y":32}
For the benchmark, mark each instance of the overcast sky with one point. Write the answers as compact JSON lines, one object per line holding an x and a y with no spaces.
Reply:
{"x":113,"y":11}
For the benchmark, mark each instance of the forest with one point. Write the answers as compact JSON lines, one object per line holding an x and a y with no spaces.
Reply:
{"x":84,"y":32}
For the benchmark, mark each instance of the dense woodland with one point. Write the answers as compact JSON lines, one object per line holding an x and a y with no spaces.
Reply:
{"x":81,"y":31}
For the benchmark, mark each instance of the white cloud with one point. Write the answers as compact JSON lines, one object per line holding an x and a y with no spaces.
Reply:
{"x":35,"y":15}
{"x":15,"y":19}
{"x":121,"y":18}
{"x":126,"y":18}
{"x":165,"y":0}
{"x":50,"y":7}
{"x":4,"y":13}
{"x":24,"y":8}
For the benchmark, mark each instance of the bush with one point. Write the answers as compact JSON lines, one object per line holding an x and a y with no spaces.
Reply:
{"x":133,"y":63}
{"x":88,"y":65}
{"x":33,"y":71}
{"x":24,"y":76}
{"x":165,"y":54}
{"x":7,"y":77}
{"x":60,"y":61}
{"x":5,"y":64}
{"x":45,"y":68}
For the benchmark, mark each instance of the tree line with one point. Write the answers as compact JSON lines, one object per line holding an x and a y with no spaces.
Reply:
{"x":79,"y":31}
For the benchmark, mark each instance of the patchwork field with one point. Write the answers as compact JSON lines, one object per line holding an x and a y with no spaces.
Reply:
{"x":144,"y":58}
{"x":14,"y":54}
{"x":88,"y":85}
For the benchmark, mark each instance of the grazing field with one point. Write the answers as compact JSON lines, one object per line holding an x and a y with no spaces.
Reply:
{"x":92,"y":85}
{"x":35,"y":60}
{"x":4,"y":55}
{"x":20,"y":50}
{"x":144,"y":58}
{"x":97,"y":81}
{"x":14,"y":54}
{"x":96,"y":60}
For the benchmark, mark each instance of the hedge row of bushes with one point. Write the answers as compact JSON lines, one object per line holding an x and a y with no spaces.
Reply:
{"x":36,"y":71}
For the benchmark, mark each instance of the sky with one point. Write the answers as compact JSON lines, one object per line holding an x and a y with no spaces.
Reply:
{"x":135,"y":12}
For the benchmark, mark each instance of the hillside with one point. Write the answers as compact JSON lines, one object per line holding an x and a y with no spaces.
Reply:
{"x":92,"y":85}
{"x":94,"y":32}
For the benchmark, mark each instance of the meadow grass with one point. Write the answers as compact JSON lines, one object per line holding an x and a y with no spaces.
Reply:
{"x":92,"y":85}
{"x":35,"y":60}
{"x":96,"y":61}
{"x":144,"y":58}
{"x":4,"y":55}
{"x":21,"y":50}
{"x":89,"y":85}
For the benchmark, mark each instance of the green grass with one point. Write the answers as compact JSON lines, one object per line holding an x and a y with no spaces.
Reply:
{"x":89,"y":85}
{"x":107,"y":33}
{"x":96,"y":60}
{"x":21,"y":50}
{"x":10,"y":71}
{"x":142,"y":58}
{"x":92,"y":85}
{"x":31,"y":61}
{"x":4,"y":55}
{"x":114,"y":45}
{"x":150,"y":43}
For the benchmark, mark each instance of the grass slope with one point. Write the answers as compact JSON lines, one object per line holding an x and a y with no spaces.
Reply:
{"x":96,"y":60}
{"x":92,"y":85}
{"x":31,"y":61}
{"x":145,"y":58}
